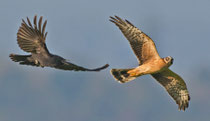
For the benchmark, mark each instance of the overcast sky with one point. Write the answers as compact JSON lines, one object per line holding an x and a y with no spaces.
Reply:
{"x":80,"y":31}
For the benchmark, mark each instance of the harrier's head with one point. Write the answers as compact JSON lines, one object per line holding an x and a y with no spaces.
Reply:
{"x":168,"y":60}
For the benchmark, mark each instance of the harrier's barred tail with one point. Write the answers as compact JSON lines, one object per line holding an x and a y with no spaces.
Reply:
{"x":121,"y":75}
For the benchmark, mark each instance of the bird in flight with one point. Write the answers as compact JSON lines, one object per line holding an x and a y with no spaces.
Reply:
{"x":150,"y":63}
{"x":31,"y":38}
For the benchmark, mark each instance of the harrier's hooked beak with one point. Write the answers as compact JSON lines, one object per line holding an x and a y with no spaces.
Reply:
{"x":172,"y":60}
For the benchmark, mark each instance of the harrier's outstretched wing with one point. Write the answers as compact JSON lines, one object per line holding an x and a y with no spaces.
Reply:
{"x":142,"y":45}
{"x":70,"y":66}
{"x":31,"y":38}
{"x":175,"y":86}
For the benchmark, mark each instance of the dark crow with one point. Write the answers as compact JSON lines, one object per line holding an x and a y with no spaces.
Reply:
{"x":31,"y":39}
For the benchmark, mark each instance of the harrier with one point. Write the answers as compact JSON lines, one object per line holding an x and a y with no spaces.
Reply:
{"x":150,"y":63}
{"x":31,"y":39}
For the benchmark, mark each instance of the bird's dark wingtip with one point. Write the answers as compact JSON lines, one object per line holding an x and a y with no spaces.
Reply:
{"x":100,"y":68}
{"x":103,"y":67}
{"x":107,"y":65}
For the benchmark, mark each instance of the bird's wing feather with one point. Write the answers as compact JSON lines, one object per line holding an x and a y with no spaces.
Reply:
{"x":175,"y":86}
{"x":31,"y":38}
{"x":142,"y":45}
{"x":70,"y":66}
